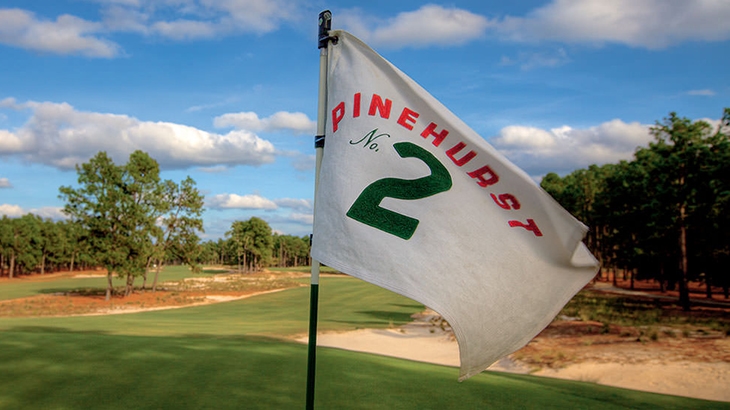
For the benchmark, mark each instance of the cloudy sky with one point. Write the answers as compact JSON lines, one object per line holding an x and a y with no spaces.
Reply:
{"x":225,"y":90}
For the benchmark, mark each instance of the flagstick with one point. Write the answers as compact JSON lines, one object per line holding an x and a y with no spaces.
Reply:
{"x":325,"y":24}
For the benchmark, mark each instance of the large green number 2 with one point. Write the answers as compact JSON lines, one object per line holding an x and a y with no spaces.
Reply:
{"x":367,"y":210}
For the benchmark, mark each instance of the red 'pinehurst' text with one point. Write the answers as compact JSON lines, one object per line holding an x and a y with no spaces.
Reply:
{"x":408,"y":119}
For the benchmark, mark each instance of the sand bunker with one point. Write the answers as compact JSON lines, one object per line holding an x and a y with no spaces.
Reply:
{"x":421,"y":341}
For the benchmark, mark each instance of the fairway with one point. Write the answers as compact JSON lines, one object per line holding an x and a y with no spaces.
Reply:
{"x":237,"y":355}
{"x":85,"y":280}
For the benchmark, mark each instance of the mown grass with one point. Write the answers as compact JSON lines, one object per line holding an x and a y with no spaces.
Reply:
{"x":21,"y":288}
{"x":229,"y":355}
{"x":304,"y":269}
{"x":51,"y":369}
{"x":345,"y":304}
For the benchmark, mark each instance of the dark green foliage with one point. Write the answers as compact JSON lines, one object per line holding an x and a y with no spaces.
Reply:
{"x":665,"y":215}
{"x":291,"y":251}
{"x":119,"y":207}
{"x":180,"y":215}
{"x":252,"y":242}
{"x":20,"y":243}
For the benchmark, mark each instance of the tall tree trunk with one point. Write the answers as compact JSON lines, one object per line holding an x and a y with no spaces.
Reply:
{"x":158,"y":268}
{"x":683,"y":288}
{"x":633,"y":274}
{"x":43,"y":263}
{"x":130,"y":284}
{"x":109,"y":286}
{"x":662,"y":285}
{"x":71,"y":268}
{"x":12,"y":264}
{"x":144,"y":276}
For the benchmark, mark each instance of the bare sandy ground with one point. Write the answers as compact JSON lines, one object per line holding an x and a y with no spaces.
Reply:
{"x":421,"y":341}
{"x":709,"y":381}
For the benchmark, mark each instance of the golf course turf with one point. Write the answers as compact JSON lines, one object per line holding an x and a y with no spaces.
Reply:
{"x":236,"y":355}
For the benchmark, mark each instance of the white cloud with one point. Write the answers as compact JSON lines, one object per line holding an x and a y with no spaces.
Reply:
{"x":66,"y":35}
{"x":254,"y":201}
{"x":292,"y":203}
{"x":123,"y":2}
{"x":217,"y":169}
{"x":59,"y":135}
{"x":650,"y":24}
{"x":9,"y":102}
{"x":298,"y":219}
{"x":15,"y":211}
{"x":304,"y":219}
{"x":4,"y":182}
{"x":429,"y":25}
{"x":233,"y":201}
{"x":12,"y":211}
{"x":195,"y":19}
{"x":287,"y":121}
{"x":173,"y":19}
{"x":704,"y":93}
{"x":9,"y":142}
{"x":531,"y":60}
{"x":255,"y":15}
{"x":538,"y":151}
{"x":185,"y":29}
{"x":647,"y":23}
{"x":125,"y":19}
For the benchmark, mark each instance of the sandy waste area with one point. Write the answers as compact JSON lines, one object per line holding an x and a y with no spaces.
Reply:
{"x":654,"y":367}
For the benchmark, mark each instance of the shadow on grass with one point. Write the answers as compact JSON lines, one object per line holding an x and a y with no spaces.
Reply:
{"x":198,"y":336}
{"x":409,"y":306}
{"x":192,"y":337}
{"x":215,"y":271}
{"x":44,"y":367}
{"x":75,"y":291}
{"x":387,"y":315}
{"x":54,"y":330}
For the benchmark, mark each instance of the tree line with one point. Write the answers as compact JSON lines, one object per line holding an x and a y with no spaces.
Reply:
{"x":33,"y":244}
{"x":127,"y":220}
{"x":251,"y":246}
{"x":665,"y":214}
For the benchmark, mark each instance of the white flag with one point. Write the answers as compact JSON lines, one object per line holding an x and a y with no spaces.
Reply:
{"x":413,"y":200}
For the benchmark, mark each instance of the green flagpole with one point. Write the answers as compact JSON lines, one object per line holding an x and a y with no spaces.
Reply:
{"x":325,"y":25}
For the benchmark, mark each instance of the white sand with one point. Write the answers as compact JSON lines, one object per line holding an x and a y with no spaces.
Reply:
{"x":709,"y":381}
{"x":416,"y":342}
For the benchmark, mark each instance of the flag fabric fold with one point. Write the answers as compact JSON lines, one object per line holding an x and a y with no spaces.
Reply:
{"x":413,"y":200}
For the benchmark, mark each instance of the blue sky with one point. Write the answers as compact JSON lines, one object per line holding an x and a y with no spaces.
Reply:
{"x":225,"y":90}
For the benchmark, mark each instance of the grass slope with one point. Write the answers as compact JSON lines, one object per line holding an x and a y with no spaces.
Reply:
{"x":217,"y":357}
{"x":55,"y":370}
{"x":345,"y":304}
{"x":19,"y":288}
